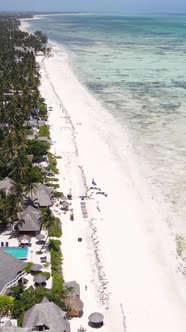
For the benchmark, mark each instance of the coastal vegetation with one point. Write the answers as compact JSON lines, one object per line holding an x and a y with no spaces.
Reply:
{"x":21,"y":157}
{"x":56,"y":261}
{"x":26,"y":298}
{"x":20,"y":101}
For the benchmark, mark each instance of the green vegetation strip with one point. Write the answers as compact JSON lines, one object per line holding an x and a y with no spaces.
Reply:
{"x":55,"y":228}
{"x":56,"y":261}
{"x":44,"y":131}
{"x":52,"y":163}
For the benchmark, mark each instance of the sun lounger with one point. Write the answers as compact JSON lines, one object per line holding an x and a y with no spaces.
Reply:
{"x":2,"y":244}
{"x":43,"y":259}
{"x":7,"y":244}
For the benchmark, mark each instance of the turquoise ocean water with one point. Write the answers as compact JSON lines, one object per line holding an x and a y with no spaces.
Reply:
{"x":136,"y":67}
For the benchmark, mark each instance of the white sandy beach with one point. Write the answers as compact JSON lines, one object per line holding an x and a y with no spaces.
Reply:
{"x":127,"y":257}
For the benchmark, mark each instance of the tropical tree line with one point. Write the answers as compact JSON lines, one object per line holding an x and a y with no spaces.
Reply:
{"x":19,"y":98}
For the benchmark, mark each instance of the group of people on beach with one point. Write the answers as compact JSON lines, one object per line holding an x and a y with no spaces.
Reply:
{"x":99,"y":192}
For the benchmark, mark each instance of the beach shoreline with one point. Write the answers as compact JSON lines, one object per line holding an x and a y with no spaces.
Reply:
{"x":137,"y":255}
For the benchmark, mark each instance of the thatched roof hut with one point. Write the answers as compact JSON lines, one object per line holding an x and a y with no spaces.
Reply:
{"x":74,"y":286}
{"x":42,"y":195}
{"x":74,"y":306}
{"x":46,"y":316}
{"x":36,"y":267}
{"x":40,"y":279}
{"x":72,"y":299}
{"x":7,"y":185}
{"x":29,"y":220}
{"x":64,"y":205}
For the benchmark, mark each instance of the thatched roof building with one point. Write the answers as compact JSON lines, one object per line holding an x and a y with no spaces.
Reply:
{"x":46,"y":316}
{"x":10,"y":267}
{"x":7,"y":185}
{"x":42,"y":195}
{"x":64,"y":205}
{"x":74,"y":286}
{"x":72,"y":299}
{"x":29,"y":220}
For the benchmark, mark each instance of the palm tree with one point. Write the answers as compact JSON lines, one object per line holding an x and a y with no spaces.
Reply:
{"x":30,"y":188}
{"x":4,"y":208}
{"x":46,"y":221}
{"x":15,"y":200}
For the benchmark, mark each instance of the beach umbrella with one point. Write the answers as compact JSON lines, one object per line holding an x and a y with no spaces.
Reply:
{"x":36,"y":267}
{"x":96,"y":318}
{"x":40,"y":237}
{"x":25,"y":239}
{"x":39,"y":279}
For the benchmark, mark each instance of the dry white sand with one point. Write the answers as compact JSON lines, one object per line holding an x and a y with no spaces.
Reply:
{"x":127,"y":257}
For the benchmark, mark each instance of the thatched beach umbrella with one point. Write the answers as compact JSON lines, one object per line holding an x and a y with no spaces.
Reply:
{"x":36,"y":267}
{"x":96,"y":319}
{"x":74,"y":305}
{"x":25,"y":239}
{"x":39,"y":279}
{"x":40,"y":237}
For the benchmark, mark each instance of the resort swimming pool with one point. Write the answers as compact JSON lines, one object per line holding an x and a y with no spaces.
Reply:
{"x":18,"y":252}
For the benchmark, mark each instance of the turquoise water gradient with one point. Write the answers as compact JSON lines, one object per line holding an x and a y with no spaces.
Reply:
{"x":136,"y":67}
{"x":18,"y":252}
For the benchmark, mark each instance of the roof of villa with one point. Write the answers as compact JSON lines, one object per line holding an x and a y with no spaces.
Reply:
{"x":9,"y":268}
{"x":46,"y":314}
{"x":8,"y":327}
{"x":42,"y":195}
{"x":7,"y":184}
{"x":29,"y":220}
{"x":76,"y":288}
{"x":34,"y":123}
{"x":43,"y":138}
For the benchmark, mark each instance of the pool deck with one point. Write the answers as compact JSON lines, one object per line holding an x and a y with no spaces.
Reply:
{"x":32,"y":256}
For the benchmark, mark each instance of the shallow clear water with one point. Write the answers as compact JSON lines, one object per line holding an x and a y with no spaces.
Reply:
{"x":136,"y":67}
{"x":18,"y":252}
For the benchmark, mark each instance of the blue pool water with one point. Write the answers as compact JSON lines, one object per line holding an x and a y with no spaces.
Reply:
{"x":18,"y":252}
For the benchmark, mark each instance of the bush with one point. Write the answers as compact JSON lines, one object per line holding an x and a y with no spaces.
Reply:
{"x":57,"y":284}
{"x":56,"y":261}
{"x":52,"y":163}
{"x":46,"y":274}
{"x":35,"y":175}
{"x":55,"y":229}
{"x":37,"y":148}
{"x":44,"y":131}
{"x":53,"y":185}
{"x":57,"y":194}
{"x":27,"y":268}
{"x":6,"y":304}
{"x":48,"y":179}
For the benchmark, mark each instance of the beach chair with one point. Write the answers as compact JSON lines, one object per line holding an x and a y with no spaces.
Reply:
{"x":43,"y":259}
{"x":2,"y":244}
{"x":7,"y":244}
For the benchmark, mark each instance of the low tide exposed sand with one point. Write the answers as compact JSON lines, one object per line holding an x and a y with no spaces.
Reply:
{"x":127,"y":257}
